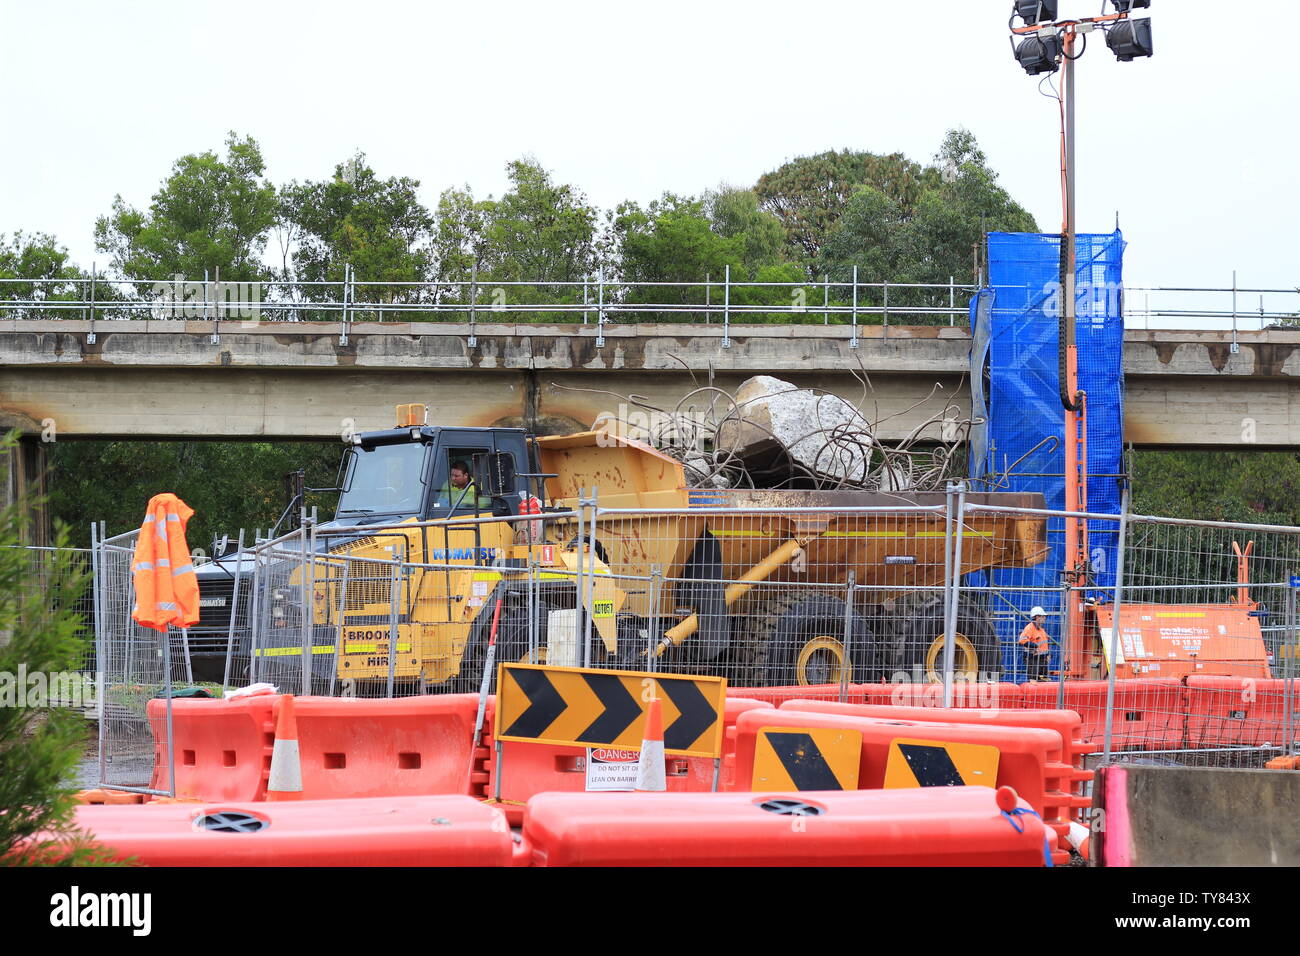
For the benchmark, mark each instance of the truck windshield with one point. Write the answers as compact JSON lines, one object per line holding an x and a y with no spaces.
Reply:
{"x":388,"y":479}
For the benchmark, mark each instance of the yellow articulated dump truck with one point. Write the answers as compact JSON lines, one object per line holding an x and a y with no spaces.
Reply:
{"x":486,"y":524}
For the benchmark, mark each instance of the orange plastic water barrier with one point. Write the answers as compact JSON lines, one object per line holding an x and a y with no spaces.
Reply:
{"x":1236,"y":711}
{"x":383,"y":831}
{"x":1062,"y":805}
{"x":1029,"y":759}
{"x":222,"y":747}
{"x":349,"y":746}
{"x":957,"y":826}
{"x":1150,"y":713}
{"x":530,"y":769}
{"x":356,"y":747}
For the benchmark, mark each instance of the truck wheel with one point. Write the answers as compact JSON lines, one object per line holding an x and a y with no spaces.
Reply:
{"x":916,"y":622}
{"x":799,"y":641}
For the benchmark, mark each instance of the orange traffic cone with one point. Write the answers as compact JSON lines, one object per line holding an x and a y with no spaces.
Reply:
{"x":285,"y":781}
{"x":650,"y":770}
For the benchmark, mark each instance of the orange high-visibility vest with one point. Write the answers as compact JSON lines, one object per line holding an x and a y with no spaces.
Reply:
{"x":1033,"y":634}
{"x":166,"y":588}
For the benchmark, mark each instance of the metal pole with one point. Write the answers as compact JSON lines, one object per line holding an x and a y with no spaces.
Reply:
{"x":338,"y":628}
{"x":578,"y":627}
{"x":1234,"y":347}
{"x":826,"y":299}
{"x":1117,"y":629}
{"x":952,"y":301}
{"x":166,"y":638}
{"x":853,"y":341}
{"x":255,"y":615}
{"x":949,"y":492}
{"x":234,"y":608}
{"x":726,"y":308}
{"x":309,"y":602}
{"x":591,"y":579}
{"x":600,"y":311}
{"x":846,"y":669}
{"x":473,"y":304}
{"x":101,"y":652}
{"x":496,"y":774}
{"x":394,"y":597}
{"x":708,"y":299}
{"x":950,"y":630}
{"x":1067,"y":595}
{"x":185,"y":649}
{"x":90,"y":336}
{"x":1288,"y":692}
{"x":654,"y":634}
{"x":585,"y":283}
{"x":886,"y":308}
{"x":305,"y":611}
{"x":533,"y":656}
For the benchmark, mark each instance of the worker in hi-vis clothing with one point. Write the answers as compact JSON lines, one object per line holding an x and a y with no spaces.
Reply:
{"x":1033,"y":641}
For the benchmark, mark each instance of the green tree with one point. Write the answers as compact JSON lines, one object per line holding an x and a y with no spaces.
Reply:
{"x":379,"y":226}
{"x":210,"y":214}
{"x":47,"y":271}
{"x":933,"y":237}
{"x":459,"y":240}
{"x":539,"y":231}
{"x":230,"y":485}
{"x":809,"y":194}
{"x":40,"y":746}
{"x":735,"y":214}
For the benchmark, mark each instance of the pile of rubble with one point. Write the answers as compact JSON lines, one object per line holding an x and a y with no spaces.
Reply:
{"x":773,"y":434}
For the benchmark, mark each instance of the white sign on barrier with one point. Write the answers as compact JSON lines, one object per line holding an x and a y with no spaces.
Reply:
{"x":609,"y":769}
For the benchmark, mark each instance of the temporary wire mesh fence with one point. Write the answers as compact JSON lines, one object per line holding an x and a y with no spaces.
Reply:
{"x":832,"y":602}
{"x":134,"y":670}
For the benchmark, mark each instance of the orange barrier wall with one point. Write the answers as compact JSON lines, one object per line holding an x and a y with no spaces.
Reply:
{"x":384,"y":831}
{"x":1030,"y":759}
{"x":1149,"y":712}
{"x":355,"y":747}
{"x":951,"y":826}
{"x":530,"y":769}
{"x":1063,"y":805}
{"x":349,"y":746}
{"x":1235,"y":711}
{"x":222,"y":747}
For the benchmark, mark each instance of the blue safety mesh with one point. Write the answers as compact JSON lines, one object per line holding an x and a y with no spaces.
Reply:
{"x":1015,"y":378}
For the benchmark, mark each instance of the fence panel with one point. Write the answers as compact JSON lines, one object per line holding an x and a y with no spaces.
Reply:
{"x":135,"y":666}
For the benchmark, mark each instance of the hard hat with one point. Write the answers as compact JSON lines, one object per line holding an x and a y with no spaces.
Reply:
{"x":1038,"y":612}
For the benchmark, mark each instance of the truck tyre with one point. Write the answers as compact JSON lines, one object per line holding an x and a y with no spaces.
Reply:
{"x":799,"y":641}
{"x":915,"y":624}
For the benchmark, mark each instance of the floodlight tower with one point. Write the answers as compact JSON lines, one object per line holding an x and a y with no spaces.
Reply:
{"x":1045,"y":44}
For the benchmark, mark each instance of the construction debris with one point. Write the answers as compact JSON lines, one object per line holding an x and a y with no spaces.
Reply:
{"x":773,"y":434}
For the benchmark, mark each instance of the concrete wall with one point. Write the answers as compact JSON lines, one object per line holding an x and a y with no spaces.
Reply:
{"x":1178,"y":816}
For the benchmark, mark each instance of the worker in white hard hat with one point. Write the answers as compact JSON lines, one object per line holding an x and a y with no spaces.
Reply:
{"x":1033,"y":641}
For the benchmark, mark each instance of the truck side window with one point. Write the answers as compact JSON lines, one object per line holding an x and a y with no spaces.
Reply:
{"x":456,"y":488}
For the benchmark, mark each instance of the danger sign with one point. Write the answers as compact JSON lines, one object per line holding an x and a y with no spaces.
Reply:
{"x":609,"y":769}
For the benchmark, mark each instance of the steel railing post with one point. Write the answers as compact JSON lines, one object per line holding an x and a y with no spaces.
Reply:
{"x":1117,"y":628}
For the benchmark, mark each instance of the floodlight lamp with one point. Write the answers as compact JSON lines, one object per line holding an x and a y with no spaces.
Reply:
{"x":1038,"y":54}
{"x":1130,"y":39}
{"x":1124,"y":6}
{"x":1036,"y":11}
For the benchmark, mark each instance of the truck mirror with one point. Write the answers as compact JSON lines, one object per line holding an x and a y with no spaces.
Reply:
{"x":498,"y":472}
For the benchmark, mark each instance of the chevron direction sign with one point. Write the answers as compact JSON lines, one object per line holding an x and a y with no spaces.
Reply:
{"x":587,"y":707}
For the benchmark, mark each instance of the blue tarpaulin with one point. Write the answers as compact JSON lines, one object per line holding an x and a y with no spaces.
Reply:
{"x":1014,"y":371}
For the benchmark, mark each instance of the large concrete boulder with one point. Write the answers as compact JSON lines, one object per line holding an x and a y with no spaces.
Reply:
{"x":784,"y":433}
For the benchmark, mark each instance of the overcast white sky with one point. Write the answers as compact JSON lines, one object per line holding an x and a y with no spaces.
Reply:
{"x":1196,"y":148}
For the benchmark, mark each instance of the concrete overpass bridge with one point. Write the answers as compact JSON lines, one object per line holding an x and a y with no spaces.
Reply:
{"x":196,"y":380}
